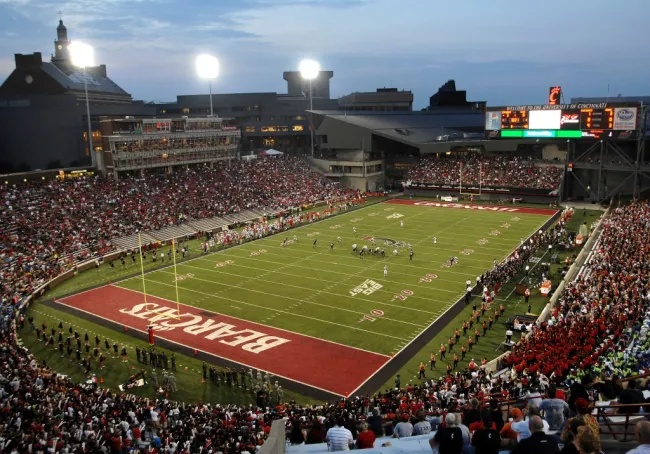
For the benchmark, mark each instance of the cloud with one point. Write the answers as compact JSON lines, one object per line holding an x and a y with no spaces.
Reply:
{"x":495,"y":50}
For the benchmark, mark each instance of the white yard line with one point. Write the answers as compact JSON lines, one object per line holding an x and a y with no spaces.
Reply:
{"x":327,"y":271}
{"x":283,"y":273}
{"x":256,"y":323}
{"x":284,"y":297}
{"x":232,"y":300}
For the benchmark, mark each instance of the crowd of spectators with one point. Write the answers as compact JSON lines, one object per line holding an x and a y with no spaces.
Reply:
{"x":45,"y":220}
{"x":597,"y":311}
{"x":510,"y":171}
{"x":600,"y":327}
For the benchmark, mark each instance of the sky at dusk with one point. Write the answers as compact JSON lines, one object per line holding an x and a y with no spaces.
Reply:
{"x":504,"y":52}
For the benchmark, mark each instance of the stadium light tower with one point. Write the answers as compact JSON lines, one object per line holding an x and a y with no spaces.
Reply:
{"x":309,"y":70}
{"x":207,"y":67}
{"x":83,"y":56}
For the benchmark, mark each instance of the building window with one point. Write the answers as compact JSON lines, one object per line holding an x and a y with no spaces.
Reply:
{"x":298,"y":117}
{"x":258,"y":119}
{"x":249,"y":129}
{"x":163,"y":111}
{"x":275,"y":128}
{"x":272,"y":117}
{"x":186,"y":110}
{"x":298,"y":128}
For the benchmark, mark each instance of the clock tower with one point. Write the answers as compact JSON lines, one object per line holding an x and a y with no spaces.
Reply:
{"x":61,"y":53}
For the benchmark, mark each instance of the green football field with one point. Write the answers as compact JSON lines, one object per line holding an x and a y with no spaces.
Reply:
{"x":336,"y":295}
{"x":283,"y":281}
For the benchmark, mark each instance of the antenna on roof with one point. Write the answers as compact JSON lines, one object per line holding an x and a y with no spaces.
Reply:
{"x":60,"y":15}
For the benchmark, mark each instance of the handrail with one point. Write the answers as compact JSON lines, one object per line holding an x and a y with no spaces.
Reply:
{"x":611,"y":420}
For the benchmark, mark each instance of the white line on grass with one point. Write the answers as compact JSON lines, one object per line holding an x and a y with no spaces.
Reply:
{"x":232,"y":300}
{"x":255,"y":323}
{"x":221,"y":270}
{"x":356,"y":298}
{"x":299,"y":300}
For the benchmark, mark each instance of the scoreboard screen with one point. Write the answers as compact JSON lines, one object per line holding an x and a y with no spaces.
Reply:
{"x":597,"y":118}
{"x":563,"y":121}
{"x":514,"y":119}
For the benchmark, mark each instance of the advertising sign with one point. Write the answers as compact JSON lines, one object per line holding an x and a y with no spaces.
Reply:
{"x":625,"y":118}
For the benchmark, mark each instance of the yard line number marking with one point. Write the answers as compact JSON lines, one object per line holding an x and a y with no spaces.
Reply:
{"x":222,"y":264}
{"x":428,"y":278}
{"x":403,"y":295}
{"x":372,"y":316}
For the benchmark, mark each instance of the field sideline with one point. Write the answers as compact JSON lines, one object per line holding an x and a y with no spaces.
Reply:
{"x":266,"y":303}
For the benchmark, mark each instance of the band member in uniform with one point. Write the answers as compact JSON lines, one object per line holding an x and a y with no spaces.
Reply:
{"x":432,"y":360}
{"x":422,"y":376}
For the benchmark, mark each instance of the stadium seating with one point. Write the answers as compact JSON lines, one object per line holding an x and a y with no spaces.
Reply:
{"x":48,"y":226}
{"x":510,"y":171}
{"x":595,"y":310}
{"x":601,"y":323}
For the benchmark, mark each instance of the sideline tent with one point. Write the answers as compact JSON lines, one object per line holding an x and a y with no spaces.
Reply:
{"x":271,"y":152}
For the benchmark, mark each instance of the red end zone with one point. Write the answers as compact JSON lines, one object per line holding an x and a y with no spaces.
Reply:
{"x":329,"y":366}
{"x":496,"y":209}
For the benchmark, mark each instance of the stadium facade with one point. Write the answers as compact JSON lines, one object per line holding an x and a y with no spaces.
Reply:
{"x":43,"y":120}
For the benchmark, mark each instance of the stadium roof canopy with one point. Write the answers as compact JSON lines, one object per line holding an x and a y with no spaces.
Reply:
{"x":415,"y":128}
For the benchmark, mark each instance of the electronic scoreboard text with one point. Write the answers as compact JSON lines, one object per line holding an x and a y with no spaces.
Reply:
{"x":563,"y":121}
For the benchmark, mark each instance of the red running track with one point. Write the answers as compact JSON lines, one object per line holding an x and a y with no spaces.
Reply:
{"x":466,"y":206}
{"x":325,"y":365}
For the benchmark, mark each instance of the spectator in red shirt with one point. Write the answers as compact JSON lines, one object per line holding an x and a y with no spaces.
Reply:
{"x":366,"y":438}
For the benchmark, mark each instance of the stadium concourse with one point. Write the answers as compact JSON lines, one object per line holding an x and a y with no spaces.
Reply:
{"x":511,"y":171}
{"x":42,"y":410}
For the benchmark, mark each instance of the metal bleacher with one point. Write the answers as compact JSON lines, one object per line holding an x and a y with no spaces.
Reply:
{"x":131,"y":241}
{"x":191,"y":228}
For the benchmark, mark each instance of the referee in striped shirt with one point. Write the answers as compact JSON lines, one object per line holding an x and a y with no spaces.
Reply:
{"x":338,"y":437}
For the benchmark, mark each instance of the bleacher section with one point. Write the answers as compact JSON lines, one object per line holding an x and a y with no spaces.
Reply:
{"x":191,"y":228}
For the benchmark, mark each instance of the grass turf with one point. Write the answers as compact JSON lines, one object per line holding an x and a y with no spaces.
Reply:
{"x":307,"y":289}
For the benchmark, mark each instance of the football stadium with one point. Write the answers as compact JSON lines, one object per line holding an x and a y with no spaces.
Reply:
{"x":360,"y":277}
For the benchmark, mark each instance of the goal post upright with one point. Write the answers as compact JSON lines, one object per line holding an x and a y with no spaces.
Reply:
{"x":178,"y":304}
{"x":144,"y":287}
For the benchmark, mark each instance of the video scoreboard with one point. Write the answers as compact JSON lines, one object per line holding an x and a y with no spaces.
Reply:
{"x":563,"y":121}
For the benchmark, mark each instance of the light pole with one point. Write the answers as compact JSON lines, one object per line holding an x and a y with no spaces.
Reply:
{"x":83,"y":55}
{"x":207,"y":67}
{"x":309,"y":69}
